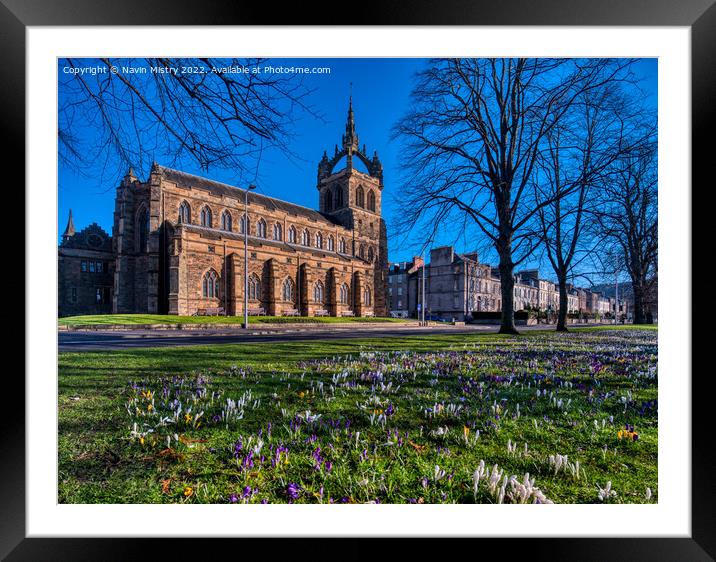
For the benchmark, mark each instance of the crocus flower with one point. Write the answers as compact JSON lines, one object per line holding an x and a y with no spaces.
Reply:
{"x":293,"y":490}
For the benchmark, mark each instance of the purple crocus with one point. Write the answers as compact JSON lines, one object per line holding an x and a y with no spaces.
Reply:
{"x":293,"y":491}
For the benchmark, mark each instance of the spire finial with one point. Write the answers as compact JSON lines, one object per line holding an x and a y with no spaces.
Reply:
{"x":350,"y":139}
{"x":69,"y":229}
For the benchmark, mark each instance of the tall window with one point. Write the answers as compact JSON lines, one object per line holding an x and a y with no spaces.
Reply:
{"x":261,"y":228}
{"x":331,"y":244}
{"x":342,"y":246}
{"x":328,"y":200}
{"x":244,"y":224}
{"x":360,"y":197}
{"x":305,"y":238}
{"x":143,"y":228}
{"x":226,"y":221}
{"x":361,"y":251}
{"x":318,"y":292}
{"x":338,"y":198}
{"x":287,"y":290}
{"x":254,"y":287}
{"x":292,"y":235}
{"x":366,"y":296}
{"x":277,"y":232}
{"x":184,"y":213}
{"x":343,"y":294}
{"x":319,"y":240}
{"x":206,"y":217}
{"x":370,"y":254}
{"x":371,"y":201}
{"x":210,"y":285}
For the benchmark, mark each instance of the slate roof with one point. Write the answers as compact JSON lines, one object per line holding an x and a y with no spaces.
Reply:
{"x":184,"y":179}
{"x":256,"y":241}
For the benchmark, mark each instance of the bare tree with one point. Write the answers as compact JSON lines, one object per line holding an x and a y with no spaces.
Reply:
{"x":628,"y":218}
{"x":473,"y":136}
{"x":575,"y":164}
{"x":217,"y":112}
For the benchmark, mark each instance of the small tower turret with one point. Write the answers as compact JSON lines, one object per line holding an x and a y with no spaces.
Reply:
{"x":69,"y":229}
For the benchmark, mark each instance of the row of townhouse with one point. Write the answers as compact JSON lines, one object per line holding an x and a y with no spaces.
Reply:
{"x":454,"y":285}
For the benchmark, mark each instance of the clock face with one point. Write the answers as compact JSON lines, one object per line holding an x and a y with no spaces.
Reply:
{"x":94,"y":240}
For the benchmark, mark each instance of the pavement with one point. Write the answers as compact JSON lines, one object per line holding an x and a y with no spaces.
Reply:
{"x":88,"y":340}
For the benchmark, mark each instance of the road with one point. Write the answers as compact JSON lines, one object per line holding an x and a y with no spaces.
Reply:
{"x":109,"y":340}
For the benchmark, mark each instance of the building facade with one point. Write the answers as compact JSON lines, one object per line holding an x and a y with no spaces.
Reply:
{"x":456,"y":285}
{"x":179,"y":244}
{"x":85,"y":266}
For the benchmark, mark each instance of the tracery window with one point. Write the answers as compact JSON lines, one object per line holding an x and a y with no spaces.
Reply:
{"x":206,"y":217}
{"x":371,"y":201}
{"x":184,"y":213}
{"x":210,"y":285}
{"x":254,"y":287}
{"x":288,"y":290}
{"x":226,"y":221}
{"x":318,"y":292}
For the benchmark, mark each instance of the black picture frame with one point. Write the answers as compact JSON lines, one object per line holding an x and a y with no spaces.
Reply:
{"x":698,"y":15}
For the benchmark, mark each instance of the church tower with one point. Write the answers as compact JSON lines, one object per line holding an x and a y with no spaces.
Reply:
{"x":353,"y":198}
{"x":349,"y":188}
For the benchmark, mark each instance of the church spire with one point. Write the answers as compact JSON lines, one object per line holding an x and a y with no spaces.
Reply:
{"x":350,"y":139}
{"x":69,"y":229}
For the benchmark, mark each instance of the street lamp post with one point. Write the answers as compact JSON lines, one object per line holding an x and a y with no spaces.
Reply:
{"x":423,"y":272}
{"x":246,"y":255}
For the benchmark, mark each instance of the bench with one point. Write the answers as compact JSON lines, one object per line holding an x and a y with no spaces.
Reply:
{"x":290,"y":312}
{"x":257,"y":312}
{"x":321,"y":313}
{"x":369,"y":314}
{"x":211,"y":311}
{"x":347,"y":313}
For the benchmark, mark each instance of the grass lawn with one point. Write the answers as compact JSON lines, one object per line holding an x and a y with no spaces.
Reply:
{"x":105,"y":319}
{"x":429,"y":419}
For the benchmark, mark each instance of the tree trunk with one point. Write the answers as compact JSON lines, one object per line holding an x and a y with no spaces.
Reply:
{"x":639,"y":313}
{"x":562,"y":317}
{"x":507,"y":285}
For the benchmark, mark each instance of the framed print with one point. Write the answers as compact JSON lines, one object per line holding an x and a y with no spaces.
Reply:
{"x":225,"y":349}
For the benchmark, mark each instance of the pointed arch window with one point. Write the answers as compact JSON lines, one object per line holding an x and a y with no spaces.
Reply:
{"x":361,"y":252}
{"x":319,"y":240}
{"x":371,"y":201}
{"x":331,"y":244}
{"x":288,"y":291}
{"x":244,"y":224}
{"x":343,"y":294}
{"x":277,"y":232}
{"x":366,"y":296}
{"x":254,"y":287}
{"x":342,"y":245}
{"x":143,"y":228}
{"x":184,"y":213}
{"x":338,"y":199}
{"x":328,"y":201}
{"x":226,"y":221}
{"x":370,"y":254}
{"x":305,"y":238}
{"x":206,"y":217}
{"x":292,"y":234}
{"x":360,"y":197}
{"x":318,"y":292}
{"x":261,"y":228}
{"x":210,"y":285}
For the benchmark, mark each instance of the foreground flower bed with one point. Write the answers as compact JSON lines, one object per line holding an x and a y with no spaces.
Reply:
{"x":562,"y":418}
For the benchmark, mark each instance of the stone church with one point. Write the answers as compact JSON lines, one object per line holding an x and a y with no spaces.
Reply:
{"x":177,"y":246}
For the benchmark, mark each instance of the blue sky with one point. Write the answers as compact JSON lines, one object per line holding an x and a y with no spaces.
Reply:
{"x":380,"y":89}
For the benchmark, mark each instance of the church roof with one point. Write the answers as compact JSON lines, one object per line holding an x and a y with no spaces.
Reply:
{"x":184,"y":179}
